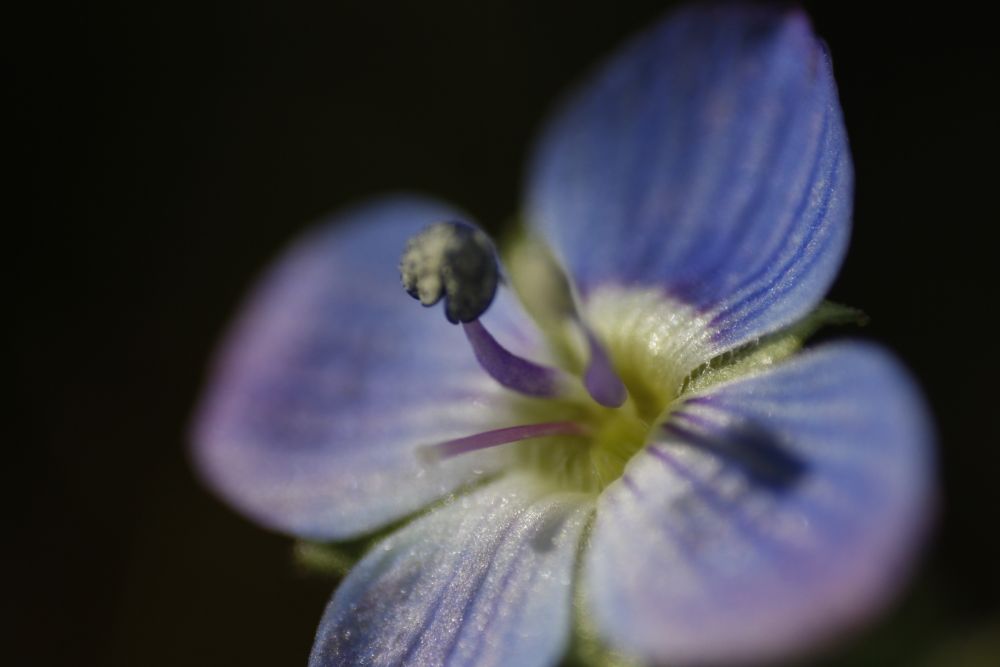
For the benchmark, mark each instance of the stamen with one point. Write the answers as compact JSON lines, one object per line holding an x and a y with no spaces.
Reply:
{"x":501,"y":436}
{"x":512,"y":371}
{"x":600,"y":378}
{"x":457,"y":262}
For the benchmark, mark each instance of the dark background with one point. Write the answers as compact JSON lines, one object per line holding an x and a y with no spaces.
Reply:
{"x":163,"y":154}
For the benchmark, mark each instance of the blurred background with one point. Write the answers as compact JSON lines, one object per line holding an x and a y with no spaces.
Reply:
{"x":164,"y":154}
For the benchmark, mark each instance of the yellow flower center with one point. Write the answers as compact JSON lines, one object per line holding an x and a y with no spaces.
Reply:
{"x":654,"y":343}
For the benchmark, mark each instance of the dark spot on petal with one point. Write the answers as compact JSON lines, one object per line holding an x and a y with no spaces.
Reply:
{"x":752,"y":449}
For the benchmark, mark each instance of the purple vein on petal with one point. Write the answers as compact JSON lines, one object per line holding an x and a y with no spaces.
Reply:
{"x":767,"y":465}
{"x":480,"y":587}
{"x":754,"y":530}
{"x":759,"y":454}
{"x":500,"y":436}
{"x":802,"y":258}
{"x":470,"y":602}
{"x":674,"y":531}
{"x":721,"y":505}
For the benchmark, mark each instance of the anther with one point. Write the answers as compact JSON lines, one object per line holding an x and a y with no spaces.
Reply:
{"x":454,"y":261}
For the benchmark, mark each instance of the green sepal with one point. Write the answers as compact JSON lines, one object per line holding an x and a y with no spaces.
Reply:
{"x":586,"y":648}
{"x":335,"y":559}
{"x":329,"y":560}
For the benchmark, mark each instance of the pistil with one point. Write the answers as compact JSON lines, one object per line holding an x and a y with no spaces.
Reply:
{"x":501,"y":436}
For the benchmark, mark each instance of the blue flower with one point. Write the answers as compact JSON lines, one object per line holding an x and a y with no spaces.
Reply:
{"x":619,"y":444}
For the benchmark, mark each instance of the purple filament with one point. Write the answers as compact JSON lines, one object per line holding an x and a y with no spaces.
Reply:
{"x":602,"y":383}
{"x":510,"y":370}
{"x":500,"y":436}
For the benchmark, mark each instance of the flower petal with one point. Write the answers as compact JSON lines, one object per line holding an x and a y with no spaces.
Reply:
{"x":708,"y":159}
{"x":777,"y":510}
{"x":333,"y":376}
{"x":484,"y":580}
